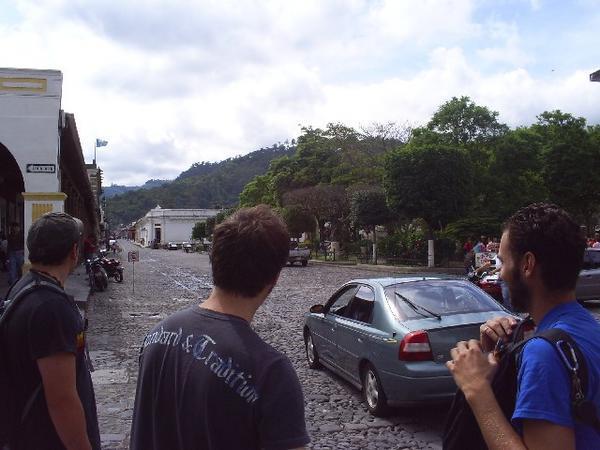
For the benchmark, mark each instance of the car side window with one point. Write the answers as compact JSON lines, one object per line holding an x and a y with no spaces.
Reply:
{"x":339,"y":306}
{"x":361,"y":306}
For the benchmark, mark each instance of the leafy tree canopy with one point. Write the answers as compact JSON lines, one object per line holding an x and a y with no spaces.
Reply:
{"x":199,"y":231}
{"x":433,"y":182}
{"x":369,"y":208}
{"x":463,"y":122}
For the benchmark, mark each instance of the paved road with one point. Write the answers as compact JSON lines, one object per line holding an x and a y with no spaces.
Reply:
{"x":166,"y":281}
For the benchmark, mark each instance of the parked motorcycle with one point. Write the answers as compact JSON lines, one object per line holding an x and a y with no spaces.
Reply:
{"x":97,"y":276}
{"x":112,"y":266}
{"x":487,"y":282}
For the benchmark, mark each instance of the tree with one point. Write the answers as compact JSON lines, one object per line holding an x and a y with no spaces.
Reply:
{"x":258,"y":191}
{"x":326,"y":203}
{"x":433,"y":182}
{"x":515,"y":174}
{"x":368,"y":208}
{"x":211,"y":222}
{"x":463,"y":122}
{"x":571,"y":163}
{"x":199,"y":231}
{"x":298,"y":220}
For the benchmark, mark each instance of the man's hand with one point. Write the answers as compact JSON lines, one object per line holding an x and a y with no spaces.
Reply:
{"x":494,"y":329}
{"x":472,"y":369}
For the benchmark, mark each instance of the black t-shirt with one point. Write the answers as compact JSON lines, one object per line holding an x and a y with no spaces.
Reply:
{"x":207,"y":381}
{"x":43,"y":324}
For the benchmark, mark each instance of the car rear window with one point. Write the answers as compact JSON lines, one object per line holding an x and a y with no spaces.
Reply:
{"x":437,"y":297}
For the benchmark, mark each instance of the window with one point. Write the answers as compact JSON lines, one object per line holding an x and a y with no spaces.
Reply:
{"x":339,"y":305}
{"x":426,"y":298}
{"x":361,"y":306}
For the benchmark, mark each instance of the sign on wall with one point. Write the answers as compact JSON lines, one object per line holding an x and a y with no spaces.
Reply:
{"x":41,"y":168}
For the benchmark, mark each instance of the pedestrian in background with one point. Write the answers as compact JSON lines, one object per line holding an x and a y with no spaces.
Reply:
{"x":207,"y":380}
{"x":43,"y":345}
{"x":15,"y":249}
{"x":3,"y":252}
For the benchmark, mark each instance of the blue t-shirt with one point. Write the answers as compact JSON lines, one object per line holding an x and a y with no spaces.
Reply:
{"x":544,"y":385}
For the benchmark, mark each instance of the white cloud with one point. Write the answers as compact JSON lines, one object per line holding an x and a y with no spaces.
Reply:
{"x":172,"y":83}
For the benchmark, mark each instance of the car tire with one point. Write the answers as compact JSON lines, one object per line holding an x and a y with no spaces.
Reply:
{"x":312,"y":356}
{"x":304,"y":263}
{"x":373,"y":392}
{"x":119,"y":277}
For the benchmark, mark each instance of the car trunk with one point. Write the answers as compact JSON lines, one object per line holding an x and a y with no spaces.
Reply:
{"x":445,"y":333}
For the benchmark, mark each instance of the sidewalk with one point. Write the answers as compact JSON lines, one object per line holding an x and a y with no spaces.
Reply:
{"x":394,"y":269}
{"x":77,"y":285}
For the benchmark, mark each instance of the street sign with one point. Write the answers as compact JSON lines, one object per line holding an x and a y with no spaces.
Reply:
{"x":40,"y":168}
{"x":133,"y":257}
{"x":595,"y":76}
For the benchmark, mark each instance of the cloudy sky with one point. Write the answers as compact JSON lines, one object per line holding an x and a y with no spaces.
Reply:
{"x":169,"y":83}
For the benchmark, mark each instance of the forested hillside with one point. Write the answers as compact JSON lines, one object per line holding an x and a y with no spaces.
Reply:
{"x":203,"y":185}
{"x":118,"y":189}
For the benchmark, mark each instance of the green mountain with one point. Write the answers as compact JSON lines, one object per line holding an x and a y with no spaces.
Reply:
{"x":203,"y":185}
{"x":118,"y":189}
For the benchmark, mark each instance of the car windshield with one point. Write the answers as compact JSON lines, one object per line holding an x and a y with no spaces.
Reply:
{"x":416,"y":300}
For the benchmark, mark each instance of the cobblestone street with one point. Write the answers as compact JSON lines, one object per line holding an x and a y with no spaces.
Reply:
{"x":166,"y":281}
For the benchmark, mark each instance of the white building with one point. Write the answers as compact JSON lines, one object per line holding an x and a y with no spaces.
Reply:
{"x":170,"y":225}
{"x":41,"y":163}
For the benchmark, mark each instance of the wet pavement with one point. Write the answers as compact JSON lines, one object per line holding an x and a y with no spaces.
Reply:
{"x":167,"y":281}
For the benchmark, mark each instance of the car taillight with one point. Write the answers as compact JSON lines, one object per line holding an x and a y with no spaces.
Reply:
{"x":415,"y":347}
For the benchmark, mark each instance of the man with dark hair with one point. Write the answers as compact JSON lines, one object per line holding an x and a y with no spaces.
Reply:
{"x":43,"y":342}
{"x":206,"y":379}
{"x":542,"y":253}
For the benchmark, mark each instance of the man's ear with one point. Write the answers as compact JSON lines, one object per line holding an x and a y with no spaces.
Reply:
{"x":75,"y":252}
{"x":528,"y":264}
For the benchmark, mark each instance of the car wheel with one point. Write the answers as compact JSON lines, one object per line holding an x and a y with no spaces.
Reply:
{"x":373,"y":392}
{"x":304,"y":263}
{"x":312,"y":356}
{"x":119,"y":277}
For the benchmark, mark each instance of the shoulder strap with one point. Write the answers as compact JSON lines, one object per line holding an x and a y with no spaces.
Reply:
{"x":12,"y":301}
{"x":574,"y":361}
{"x":10,"y":304}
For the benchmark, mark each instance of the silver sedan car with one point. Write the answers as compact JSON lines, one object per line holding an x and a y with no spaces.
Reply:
{"x":588,"y":283}
{"x":391,"y":337}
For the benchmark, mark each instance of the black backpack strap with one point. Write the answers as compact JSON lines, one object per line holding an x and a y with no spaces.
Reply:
{"x":574,"y":361}
{"x":12,"y":301}
{"x":10,"y":304}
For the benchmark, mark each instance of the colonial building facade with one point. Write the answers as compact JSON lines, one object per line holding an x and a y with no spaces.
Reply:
{"x":170,"y":225}
{"x":42,"y":168}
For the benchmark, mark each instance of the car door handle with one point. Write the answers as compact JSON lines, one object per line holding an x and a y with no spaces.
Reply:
{"x":359,"y":340}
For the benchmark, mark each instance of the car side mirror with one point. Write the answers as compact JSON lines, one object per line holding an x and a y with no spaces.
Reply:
{"x":317,"y":309}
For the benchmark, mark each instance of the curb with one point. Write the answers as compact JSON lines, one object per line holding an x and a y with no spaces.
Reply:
{"x":393,"y":269}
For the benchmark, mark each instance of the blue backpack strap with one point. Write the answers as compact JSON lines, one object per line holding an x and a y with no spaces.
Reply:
{"x":574,"y":362}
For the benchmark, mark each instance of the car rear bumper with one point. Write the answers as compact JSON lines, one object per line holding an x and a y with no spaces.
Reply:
{"x":404,"y":390}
